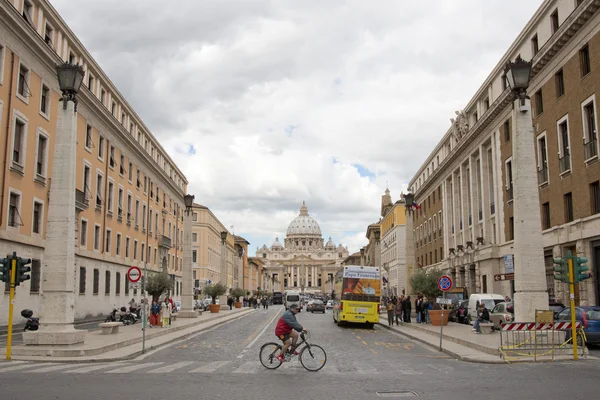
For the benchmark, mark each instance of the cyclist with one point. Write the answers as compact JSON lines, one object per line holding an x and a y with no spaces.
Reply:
{"x":287,"y":327}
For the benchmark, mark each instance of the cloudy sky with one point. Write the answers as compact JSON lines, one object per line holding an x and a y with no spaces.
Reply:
{"x":264,"y":104}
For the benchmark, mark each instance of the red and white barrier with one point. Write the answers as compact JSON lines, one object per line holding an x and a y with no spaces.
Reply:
{"x":532,"y":326}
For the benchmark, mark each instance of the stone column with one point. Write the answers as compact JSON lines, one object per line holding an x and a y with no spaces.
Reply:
{"x":223,"y":271}
{"x":58,"y":289}
{"x":530,"y":273}
{"x":187,"y":287}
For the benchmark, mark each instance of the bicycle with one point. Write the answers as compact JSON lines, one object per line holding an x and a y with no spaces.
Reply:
{"x":310,"y":353}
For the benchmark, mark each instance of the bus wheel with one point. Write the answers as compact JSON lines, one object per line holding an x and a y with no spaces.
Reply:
{"x":370,"y":325}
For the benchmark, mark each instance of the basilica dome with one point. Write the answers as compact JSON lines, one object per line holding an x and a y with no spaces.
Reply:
{"x":304,"y":224}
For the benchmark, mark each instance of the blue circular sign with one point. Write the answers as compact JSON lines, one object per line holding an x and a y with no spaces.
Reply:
{"x":445,"y":283}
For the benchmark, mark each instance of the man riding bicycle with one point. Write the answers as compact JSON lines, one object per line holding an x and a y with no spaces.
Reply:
{"x":288,"y":327}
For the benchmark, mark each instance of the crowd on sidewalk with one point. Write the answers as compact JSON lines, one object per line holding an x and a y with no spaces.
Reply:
{"x":159,"y":313}
{"x":399,"y":309}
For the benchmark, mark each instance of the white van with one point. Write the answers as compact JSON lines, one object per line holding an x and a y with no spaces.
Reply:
{"x":292,"y":297}
{"x":490,"y":301}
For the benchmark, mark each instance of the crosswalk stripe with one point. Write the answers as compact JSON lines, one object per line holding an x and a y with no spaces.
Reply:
{"x":49,"y":368}
{"x":330,"y":368}
{"x":364,"y":368}
{"x":91,"y":368}
{"x":170,"y":368}
{"x":17,"y":367}
{"x":131,"y":368}
{"x":210,"y":367}
{"x":249,"y":367}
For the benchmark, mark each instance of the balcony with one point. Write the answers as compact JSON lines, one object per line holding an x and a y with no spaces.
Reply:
{"x":81,"y":201}
{"x":590,"y":149}
{"x":509,"y":194}
{"x":164,"y":242}
{"x":543,"y":176}
{"x":565,"y":163}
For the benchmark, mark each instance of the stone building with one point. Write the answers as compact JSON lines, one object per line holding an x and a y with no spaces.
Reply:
{"x":464,"y":189}
{"x":392,"y":244}
{"x":304,"y":261}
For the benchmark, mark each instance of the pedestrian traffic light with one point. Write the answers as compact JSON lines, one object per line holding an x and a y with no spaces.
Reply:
{"x":581,"y":269}
{"x":5,"y":269}
{"x":562,"y":269}
{"x":22,"y":270}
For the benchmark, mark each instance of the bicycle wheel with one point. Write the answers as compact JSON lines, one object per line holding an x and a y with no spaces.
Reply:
{"x":268,"y":355}
{"x":313,"y":357}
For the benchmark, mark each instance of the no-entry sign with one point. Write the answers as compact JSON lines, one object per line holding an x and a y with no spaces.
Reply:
{"x":134,"y":274}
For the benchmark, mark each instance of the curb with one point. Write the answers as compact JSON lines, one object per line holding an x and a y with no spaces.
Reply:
{"x":134,"y":355}
{"x":18,"y":328}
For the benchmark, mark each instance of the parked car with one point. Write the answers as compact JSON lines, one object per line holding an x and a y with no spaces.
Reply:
{"x":589,"y":316}
{"x":502,"y":313}
{"x":317,"y":306}
{"x":177,"y":306}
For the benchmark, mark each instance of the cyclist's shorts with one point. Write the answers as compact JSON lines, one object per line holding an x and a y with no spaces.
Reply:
{"x":284,"y":338}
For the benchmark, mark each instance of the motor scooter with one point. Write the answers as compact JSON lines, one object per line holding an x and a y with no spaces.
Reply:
{"x":32,"y":323}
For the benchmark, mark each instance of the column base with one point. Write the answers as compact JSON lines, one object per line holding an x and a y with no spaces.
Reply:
{"x":45,"y":338}
{"x":187,"y":314}
{"x":526,"y":303}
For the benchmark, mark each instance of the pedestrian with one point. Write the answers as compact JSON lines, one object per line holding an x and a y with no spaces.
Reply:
{"x":398,"y":311}
{"x":484,"y":316}
{"x":166,"y":313}
{"x":155,"y":314}
{"x":407,"y":309}
{"x":390,"y":312}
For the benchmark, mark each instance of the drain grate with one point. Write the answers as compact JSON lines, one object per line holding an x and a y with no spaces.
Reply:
{"x":400,"y":393}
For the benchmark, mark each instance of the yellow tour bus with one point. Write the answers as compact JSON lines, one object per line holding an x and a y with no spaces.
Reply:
{"x":356,"y":295}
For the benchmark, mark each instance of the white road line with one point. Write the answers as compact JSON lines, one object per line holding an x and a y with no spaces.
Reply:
{"x":240,"y":356}
{"x":263,"y":331}
{"x":131,"y":368}
{"x":170,"y":368}
{"x":363,"y":368}
{"x":210,"y":367}
{"x":91,"y":368}
{"x":18,"y":367}
{"x":49,"y":368}
{"x":249,"y":367}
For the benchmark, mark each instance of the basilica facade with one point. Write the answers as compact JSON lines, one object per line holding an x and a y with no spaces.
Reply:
{"x":304,"y":262}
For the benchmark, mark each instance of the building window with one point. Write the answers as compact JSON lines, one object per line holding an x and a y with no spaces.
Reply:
{"x":38,"y":214}
{"x":23,"y":82}
{"x":144,"y":217}
{"x":36,"y":272}
{"x":130,"y":171}
{"x":546,"y":215}
{"x":96,"y":237}
{"x":509,"y":180}
{"x":88,"y":137}
{"x":194,"y":255}
{"x":135,"y":245}
{"x":590,"y":136}
{"x":107,"y":282}
{"x":48,"y":34}
{"x":83,"y":233}
{"x":108,"y":238}
{"x":554,"y":21}
{"x":539,"y":102}
{"x":110,"y":195}
{"x":103,"y":97}
{"x":194,"y":237}
{"x":595,"y":197}
{"x":96,"y":281}
{"x":72,"y":58}
{"x":127,"y":240}
{"x":82,"y":280}
{"x":18,"y":153}
{"x":90,"y":83}
{"x":42,"y":150}
{"x":99,"y":189}
{"x":45,"y":101}
{"x":100,"y":147}
{"x":563,"y":146}
{"x":559,"y":79}
{"x":568,"y":202}
{"x":137,"y":213}
{"x":129,"y":204}
{"x":126,"y":286}
{"x":118,"y":244}
{"x":535,"y":45}
{"x":118,"y":283}
{"x":511,"y":228}
{"x":542,"y":159}
{"x":584,"y":60}
{"x":113,"y":109}
{"x":195,"y":217}
{"x":120,"y":204}
{"x":507,"y":130}
{"x":14,"y":207}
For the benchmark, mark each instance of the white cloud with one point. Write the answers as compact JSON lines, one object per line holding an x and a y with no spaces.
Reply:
{"x":264,"y":104}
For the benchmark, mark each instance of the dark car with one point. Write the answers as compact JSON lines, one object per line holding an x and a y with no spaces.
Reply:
{"x":589,"y":316}
{"x":318,"y":305}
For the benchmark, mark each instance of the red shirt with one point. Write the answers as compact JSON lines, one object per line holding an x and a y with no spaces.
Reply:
{"x":282,"y":328}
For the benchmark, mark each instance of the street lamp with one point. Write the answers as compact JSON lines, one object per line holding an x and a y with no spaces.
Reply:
{"x":223,"y":237}
{"x":188,"y":200}
{"x":530,"y":272}
{"x":70,"y":77}
{"x":187,"y":294}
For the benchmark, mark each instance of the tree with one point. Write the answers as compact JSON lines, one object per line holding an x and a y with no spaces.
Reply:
{"x":237,"y":293}
{"x":215,"y":290}
{"x":426,"y":283}
{"x":158,"y":283}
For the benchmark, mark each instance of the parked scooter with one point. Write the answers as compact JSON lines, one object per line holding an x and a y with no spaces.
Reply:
{"x":112,"y":317}
{"x":127,"y":317}
{"x":32,"y":323}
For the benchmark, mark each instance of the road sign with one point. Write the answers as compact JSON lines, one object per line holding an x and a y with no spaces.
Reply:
{"x":134,"y":274}
{"x":134,"y":285}
{"x":509,"y":265}
{"x":441,"y":300}
{"x":504,"y":277}
{"x":445,"y":283}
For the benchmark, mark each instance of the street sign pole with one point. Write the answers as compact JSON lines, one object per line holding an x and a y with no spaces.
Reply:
{"x":572,"y":305}
{"x":442,"y":323}
{"x":144,"y":316}
{"x":444,"y":284}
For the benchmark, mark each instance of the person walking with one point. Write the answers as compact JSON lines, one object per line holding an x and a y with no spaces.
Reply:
{"x":166,"y":313}
{"x":155,"y":314}
{"x":407,"y":309}
{"x":398,"y":311}
{"x":390,"y":312}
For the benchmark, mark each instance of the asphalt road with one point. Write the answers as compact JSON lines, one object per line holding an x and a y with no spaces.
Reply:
{"x":222,"y":363}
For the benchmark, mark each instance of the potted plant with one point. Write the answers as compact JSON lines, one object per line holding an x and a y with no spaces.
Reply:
{"x":427,"y":284}
{"x":236,"y":294}
{"x":215,"y":290}
{"x":158,"y":283}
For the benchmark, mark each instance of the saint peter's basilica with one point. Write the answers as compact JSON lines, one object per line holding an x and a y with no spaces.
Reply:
{"x":304,"y":261}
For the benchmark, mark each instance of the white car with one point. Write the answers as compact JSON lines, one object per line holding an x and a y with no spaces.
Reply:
{"x":329,"y":304}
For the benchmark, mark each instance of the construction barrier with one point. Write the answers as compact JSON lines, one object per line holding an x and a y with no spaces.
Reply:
{"x":542,"y":341}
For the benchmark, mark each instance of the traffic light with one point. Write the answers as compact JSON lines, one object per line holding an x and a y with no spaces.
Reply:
{"x":562,"y":269}
{"x":580,"y":270}
{"x":22,"y":270}
{"x":5,"y":269}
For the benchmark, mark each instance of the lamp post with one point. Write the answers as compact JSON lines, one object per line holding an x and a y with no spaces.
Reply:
{"x":409,"y":245}
{"x":58,"y":291}
{"x":240,"y":273}
{"x":362,"y":256}
{"x":187,"y":295}
{"x":530,"y":273}
{"x":223,"y":272}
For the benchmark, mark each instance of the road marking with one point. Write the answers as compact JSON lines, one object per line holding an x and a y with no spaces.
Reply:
{"x":171,"y":368}
{"x":372,"y":351}
{"x":132,"y":368}
{"x":263,"y":331}
{"x":210,"y":367}
{"x":364,"y":368}
{"x":240,"y":356}
{"x":17,"y":367}
{"x":91,"y":368}
{"x":249,"y":367}
{"x":50,"y":368}
{"x":365,"y":343}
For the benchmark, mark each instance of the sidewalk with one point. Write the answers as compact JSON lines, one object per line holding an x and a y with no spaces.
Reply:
{"x":126,"y":344}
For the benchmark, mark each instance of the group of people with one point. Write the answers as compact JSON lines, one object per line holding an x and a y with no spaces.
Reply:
{"x":159,"y":313}
{"x":254,"y":301}
{"x":400,"y":308}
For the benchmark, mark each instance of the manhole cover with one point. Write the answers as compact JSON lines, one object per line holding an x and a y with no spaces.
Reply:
{"x":398,"y":393}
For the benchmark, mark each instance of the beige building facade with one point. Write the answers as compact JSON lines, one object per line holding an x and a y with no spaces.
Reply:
{"x":393,"y":244}
{"x":465,"y":224}
{"x":129,"y":192}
